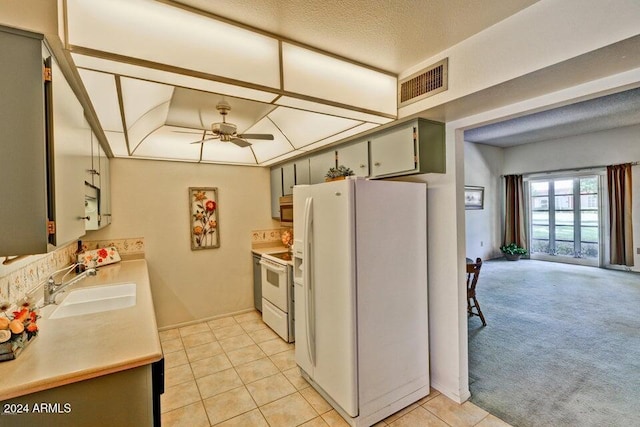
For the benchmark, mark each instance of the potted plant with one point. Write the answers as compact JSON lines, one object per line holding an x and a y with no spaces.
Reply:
{"x":340,"y":172}
{"x":513,"y":252}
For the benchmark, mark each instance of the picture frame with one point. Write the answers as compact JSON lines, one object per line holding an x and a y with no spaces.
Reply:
{"x":473,"y":197}
{"x":204,"y":225}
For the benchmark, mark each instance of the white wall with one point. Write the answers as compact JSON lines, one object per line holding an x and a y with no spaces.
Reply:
{"x":150,"y":199}
{"x":483,"y":167}
{"x":546,"y":33}
{"x":621,"y":145}
{"x":445,"y":258}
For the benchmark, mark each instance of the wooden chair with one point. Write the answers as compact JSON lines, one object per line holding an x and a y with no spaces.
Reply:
{"x":473,"y":272}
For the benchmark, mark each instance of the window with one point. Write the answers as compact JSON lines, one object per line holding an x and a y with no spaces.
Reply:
{"x":564,"y":219}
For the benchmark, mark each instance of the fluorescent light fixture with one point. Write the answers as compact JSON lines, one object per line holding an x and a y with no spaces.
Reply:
{"x":151,"y":121}
{"x":170,"y":78}
{"x":139,"y":97}
{"x":283,"y":157}
{"x":101,"y":88}
{"x":343,"y":135}
{"x":265,"y":150}
{"x":303,"y":104}
{"x":303,"y":127}
{"x":118,"y":143}
{"x":164,"y":143}
{"x":226,"y":152}
{"x":321,"y":76}
{"x":161,"y":33}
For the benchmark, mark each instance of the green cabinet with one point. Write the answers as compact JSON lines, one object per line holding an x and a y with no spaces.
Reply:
{"x":319,"y":164}
{"x":24,"y":150}
{"x":355,"y":156}
{"x":412,"y":147}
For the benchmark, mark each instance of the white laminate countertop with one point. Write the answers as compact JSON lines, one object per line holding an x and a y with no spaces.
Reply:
{"x":269,"y":250}
{"x":73,"y":349}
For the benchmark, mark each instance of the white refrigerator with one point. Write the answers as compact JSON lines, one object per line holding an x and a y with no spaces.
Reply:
{"x":360,"y":280}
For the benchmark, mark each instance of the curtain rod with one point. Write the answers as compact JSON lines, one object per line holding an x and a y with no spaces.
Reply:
{"x":570,"y":169}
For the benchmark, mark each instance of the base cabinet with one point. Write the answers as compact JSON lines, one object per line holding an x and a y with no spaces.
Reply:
{"x":124,"y":398}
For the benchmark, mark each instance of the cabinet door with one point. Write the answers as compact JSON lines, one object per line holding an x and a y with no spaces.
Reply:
{"x":355,"y":157}
{"x":23,"y":153}
{"x":93,"y":167}
{"x":105,"y":189}
{"x":319,"y":165}
{"x":276,"y":192}
{"x":302,"y":171}
{"x":288,"y":179}
{"x":393,"y":152}
{"x":72,"y":149}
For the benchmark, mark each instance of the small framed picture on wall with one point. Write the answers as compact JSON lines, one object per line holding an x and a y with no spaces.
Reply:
{"x":473,"y":197}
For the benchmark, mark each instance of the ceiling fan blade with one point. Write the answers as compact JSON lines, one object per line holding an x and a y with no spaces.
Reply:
{"x":264,"y":136}
{"x":204,"y":140}
{"x":240,"y":142}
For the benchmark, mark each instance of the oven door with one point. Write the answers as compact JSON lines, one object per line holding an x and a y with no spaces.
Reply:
{"x":275,"y":283}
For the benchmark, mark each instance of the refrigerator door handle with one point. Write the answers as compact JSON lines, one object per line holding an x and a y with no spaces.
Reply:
{"x":308,"y":266}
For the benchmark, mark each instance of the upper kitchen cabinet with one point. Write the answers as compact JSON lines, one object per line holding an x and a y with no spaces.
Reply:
{"x":408,"y":148}
{"x":302,"y":172}
{"x":45,"y":149}
{"x":24,"y":145}
{"x":276,"y":192}
{"x":319,"y":165}
{"x":72,"y":156}
{"x":356,"y":157}
{"x":105,"y":189}
{"x":98,"y":190}
{"x":288,"y":178}
{"x":92,"y":172}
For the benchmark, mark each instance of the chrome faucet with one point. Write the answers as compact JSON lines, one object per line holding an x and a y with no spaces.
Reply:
{"x":51,"y":288}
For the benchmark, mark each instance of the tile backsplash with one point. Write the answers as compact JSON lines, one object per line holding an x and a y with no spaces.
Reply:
{"x":266,"y":236}
{"x":16,"y":281}
{"x":129,"y":246}
{"x":23,"y":277}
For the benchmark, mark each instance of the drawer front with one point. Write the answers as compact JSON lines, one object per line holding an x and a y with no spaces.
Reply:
{"x":276,"y":319}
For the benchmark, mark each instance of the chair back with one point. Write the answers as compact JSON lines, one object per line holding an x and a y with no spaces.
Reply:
{"x":473,"y":272}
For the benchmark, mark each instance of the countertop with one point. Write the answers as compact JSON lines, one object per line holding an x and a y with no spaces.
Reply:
{"x":73,"y":349}
{"x":268,"y":249}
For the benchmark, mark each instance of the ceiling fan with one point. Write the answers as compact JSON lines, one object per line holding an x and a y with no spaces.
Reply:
{"x":227,"y":131}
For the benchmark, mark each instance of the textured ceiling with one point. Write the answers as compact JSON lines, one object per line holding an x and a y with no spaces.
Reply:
{"x":392,"y":35}
{"x":607,"y":112}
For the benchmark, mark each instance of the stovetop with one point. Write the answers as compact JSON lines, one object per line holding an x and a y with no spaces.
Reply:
{"x":285,"y":256}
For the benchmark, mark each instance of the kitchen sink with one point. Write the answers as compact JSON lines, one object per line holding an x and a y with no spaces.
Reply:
{"x":96,"y":299}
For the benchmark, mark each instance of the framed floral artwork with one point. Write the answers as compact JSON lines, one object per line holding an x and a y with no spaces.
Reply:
{"x":203,"y":214}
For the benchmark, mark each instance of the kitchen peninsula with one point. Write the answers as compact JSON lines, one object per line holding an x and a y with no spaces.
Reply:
{"x":92,"y":369}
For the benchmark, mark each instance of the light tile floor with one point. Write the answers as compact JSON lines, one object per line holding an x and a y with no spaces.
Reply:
{"x":235,"y":371}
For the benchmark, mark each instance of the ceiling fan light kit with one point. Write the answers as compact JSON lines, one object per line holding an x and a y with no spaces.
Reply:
{"x":227,"y":132}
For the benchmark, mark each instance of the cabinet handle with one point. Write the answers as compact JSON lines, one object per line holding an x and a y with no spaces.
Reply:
{"x":363,"y":166}
{"x":93,"y":172}
{"x":376,"y":164}
{"x":88,"y":218}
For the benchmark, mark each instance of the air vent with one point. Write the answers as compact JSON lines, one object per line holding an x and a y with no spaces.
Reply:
{"x":423,"y":84}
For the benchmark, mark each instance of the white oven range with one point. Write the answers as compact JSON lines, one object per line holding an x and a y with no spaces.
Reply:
{"x":277,"y":293}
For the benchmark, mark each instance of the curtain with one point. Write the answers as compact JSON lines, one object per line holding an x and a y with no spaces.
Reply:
{"x":620,"y":225}
{"x":514,"y":227}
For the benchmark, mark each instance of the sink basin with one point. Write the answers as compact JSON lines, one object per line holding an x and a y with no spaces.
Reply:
{"x":96,"y":299}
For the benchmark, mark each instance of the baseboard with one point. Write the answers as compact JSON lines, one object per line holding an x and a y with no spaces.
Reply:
{"x":206,"y":319}
{"x":458,"y":396}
